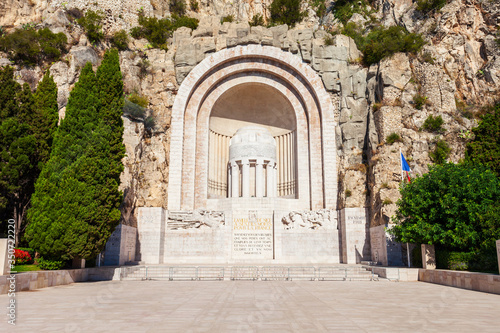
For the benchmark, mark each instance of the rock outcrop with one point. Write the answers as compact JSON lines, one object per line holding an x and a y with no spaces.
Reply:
{"x":457,"y":69}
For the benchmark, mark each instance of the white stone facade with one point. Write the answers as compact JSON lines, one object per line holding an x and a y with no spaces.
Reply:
{"x":248,"y":185}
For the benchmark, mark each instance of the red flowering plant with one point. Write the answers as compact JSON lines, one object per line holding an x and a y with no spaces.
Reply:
{"x":22,"y":257}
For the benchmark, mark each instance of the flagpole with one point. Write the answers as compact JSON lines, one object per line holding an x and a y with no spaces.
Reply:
{"x":403,"y":179}
{"x":401,"y":164}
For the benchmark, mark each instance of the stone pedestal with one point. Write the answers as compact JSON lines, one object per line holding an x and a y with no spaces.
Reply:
{"x":151,"y":223}
{"x":384,"y":249}
{"x":4,"y":259}
{"x":498,"y":254}
{"x":355,"y":241}
{"x":307,"y":237}
{"x":120,"y":247}
{"x":428,"y":257}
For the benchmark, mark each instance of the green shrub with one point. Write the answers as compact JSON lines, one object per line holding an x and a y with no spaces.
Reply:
{"x":348,"y":193}
{"x":149,"y":123}
{"x":458,"y":261}
{"x":195,"y":5}
{"x":319,"y":7}
{"x":50,"y":264}
{"x":139,"y":100}
{"x":177,"y":7}
{"x":387,"y":202}
{"x":393,"y":137}
{"x":456,"y":207}
{"x":433,"y":124}
{"x":382,"y":42}
{"x":133,"y":110}
{"x":184,"y":21}
{"x":29,"y":250}
{"x":92,"y":24}
{"x":427,"y":57}
{"x":440,"y":153}
{"x":344,"y":9}
{"x":485,"y":148}
{"x":229,"y":18}
{"x":74,"y":13}
{"x":143,"y":68}
{"x":156,"y":31}
{"x":426,"y":6}
{"x":328,"y":40}
{"x":120,"y":40}
{"x":31,"y":47}
{"x":419,"y":101}
{"x":286,"y":12}
{"x":257,"y":20}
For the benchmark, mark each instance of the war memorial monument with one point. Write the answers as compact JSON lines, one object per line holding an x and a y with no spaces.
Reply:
{"x":252,"y":174}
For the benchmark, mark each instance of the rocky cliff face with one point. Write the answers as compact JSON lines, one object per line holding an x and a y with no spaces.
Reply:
{"x":457,"y":70}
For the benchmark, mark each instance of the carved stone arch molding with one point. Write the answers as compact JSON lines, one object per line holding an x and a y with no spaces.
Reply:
{"x":281,"y":73}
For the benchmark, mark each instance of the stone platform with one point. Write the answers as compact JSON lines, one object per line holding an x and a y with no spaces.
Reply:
{"x":253,"y":306}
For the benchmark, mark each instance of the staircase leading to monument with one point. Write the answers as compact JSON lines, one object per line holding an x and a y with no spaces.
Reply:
{"x":263,"y":273}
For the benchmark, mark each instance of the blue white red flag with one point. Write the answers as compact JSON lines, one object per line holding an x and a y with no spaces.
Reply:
{"x":405,"y":167}
{"x":404,"y":164}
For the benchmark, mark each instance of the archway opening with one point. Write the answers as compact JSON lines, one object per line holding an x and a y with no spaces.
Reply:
{"x":252,"y":104}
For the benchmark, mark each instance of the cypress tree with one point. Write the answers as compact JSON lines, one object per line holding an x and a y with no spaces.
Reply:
{"x":76,"y":201}
{"x":46,"y":117}
{"x":18,"y":158}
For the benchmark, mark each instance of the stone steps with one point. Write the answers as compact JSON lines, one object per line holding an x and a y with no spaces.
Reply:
{"x":263,"y":273}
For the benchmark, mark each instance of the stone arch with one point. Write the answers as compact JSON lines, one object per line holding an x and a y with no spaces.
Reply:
{"x":252,"y":63}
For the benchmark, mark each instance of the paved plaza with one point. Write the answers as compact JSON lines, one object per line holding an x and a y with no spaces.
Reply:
{"x":254,"y":306}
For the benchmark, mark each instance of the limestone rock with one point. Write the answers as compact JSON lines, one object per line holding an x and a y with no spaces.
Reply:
{"x":80,"y":55}
{"x":57,"y":19}
{"x":64,"y":76}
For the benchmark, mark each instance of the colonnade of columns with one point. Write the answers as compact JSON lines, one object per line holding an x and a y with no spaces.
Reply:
{"x":263,"y":176}
{"x":241,"y":181}
{"x":285,"y":157}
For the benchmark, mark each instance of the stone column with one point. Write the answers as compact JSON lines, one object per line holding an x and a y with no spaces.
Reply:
{"x":229,"y":183}
{"x":245,"y":178}
{"x":235,"y":180}
{"x":498,"y":254}
{"x":428,"y":257}
{"x":269,"y":181}
{"x":259,"y":178}
{"x":274,"y":187}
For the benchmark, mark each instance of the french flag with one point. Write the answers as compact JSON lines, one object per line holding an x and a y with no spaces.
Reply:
{"x":405,"y":167}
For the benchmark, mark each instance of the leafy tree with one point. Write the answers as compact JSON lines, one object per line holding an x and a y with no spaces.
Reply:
{"x":485,"y":148}
{"x":455,"y":206}
{"x":46,"y":117}
{"x":76,"y":201}
{"x":26,"y":129}
{"x":286,"y":12}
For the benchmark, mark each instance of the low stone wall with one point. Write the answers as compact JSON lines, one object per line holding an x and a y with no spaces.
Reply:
{"x":42,"y":279}
{"x":395,"y":273}
{"x":489,"y":283}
